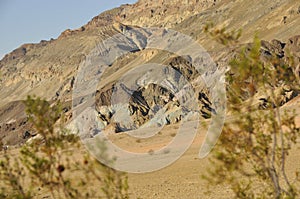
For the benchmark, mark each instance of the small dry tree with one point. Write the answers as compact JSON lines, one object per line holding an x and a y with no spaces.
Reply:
{"x":56,"y":164}
{"x":252,"y":152}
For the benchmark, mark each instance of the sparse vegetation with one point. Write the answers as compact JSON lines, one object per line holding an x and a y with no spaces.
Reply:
{"x":151,"y":152}
{"x":221,"y":35}
{"x":252,"y":152}
{"x":138,"y":140}
{"x":173,"y":134}
{"x":258,"y":153}
{"x":56,"y":164}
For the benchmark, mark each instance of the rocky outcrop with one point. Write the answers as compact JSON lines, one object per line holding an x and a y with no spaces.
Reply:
{"x":293,"y":49}
{"x":153,"y":104}
{"x":287,"y":58}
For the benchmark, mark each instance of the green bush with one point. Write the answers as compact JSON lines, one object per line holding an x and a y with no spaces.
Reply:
{"x":251,"y":155}
{"x":56,"y":164}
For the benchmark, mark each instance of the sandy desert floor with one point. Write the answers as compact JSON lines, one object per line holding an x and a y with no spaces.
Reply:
{"x":182,"y":179}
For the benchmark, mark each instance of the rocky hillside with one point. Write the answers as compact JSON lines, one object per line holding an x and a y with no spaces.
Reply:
{"x":49,"y":68}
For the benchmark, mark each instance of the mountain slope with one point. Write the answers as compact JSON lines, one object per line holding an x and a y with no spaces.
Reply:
{"x":48,"y":69}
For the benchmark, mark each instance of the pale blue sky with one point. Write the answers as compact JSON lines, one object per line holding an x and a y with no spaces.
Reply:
{"x":29,"y":21}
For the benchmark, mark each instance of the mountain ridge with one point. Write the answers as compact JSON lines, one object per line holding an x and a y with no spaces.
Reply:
{"x":48,"y":69}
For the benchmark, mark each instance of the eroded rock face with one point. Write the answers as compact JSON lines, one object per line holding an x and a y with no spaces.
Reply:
{"x":153,"y":104}
{"x":275,"y":47}
{"x":287,"y":58}
{"x":147,"y":102}
{"x":293,"y":48}
{"x":17,"y":130}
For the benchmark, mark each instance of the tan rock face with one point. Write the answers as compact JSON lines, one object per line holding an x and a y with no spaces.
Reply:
{"x":293,"y":47}
{"x":49,"y":68}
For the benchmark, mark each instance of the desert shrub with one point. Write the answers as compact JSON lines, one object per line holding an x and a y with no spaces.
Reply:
{"x":252,"y":152}
{"x":56,"y":164}
{"x":221,"y":35}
